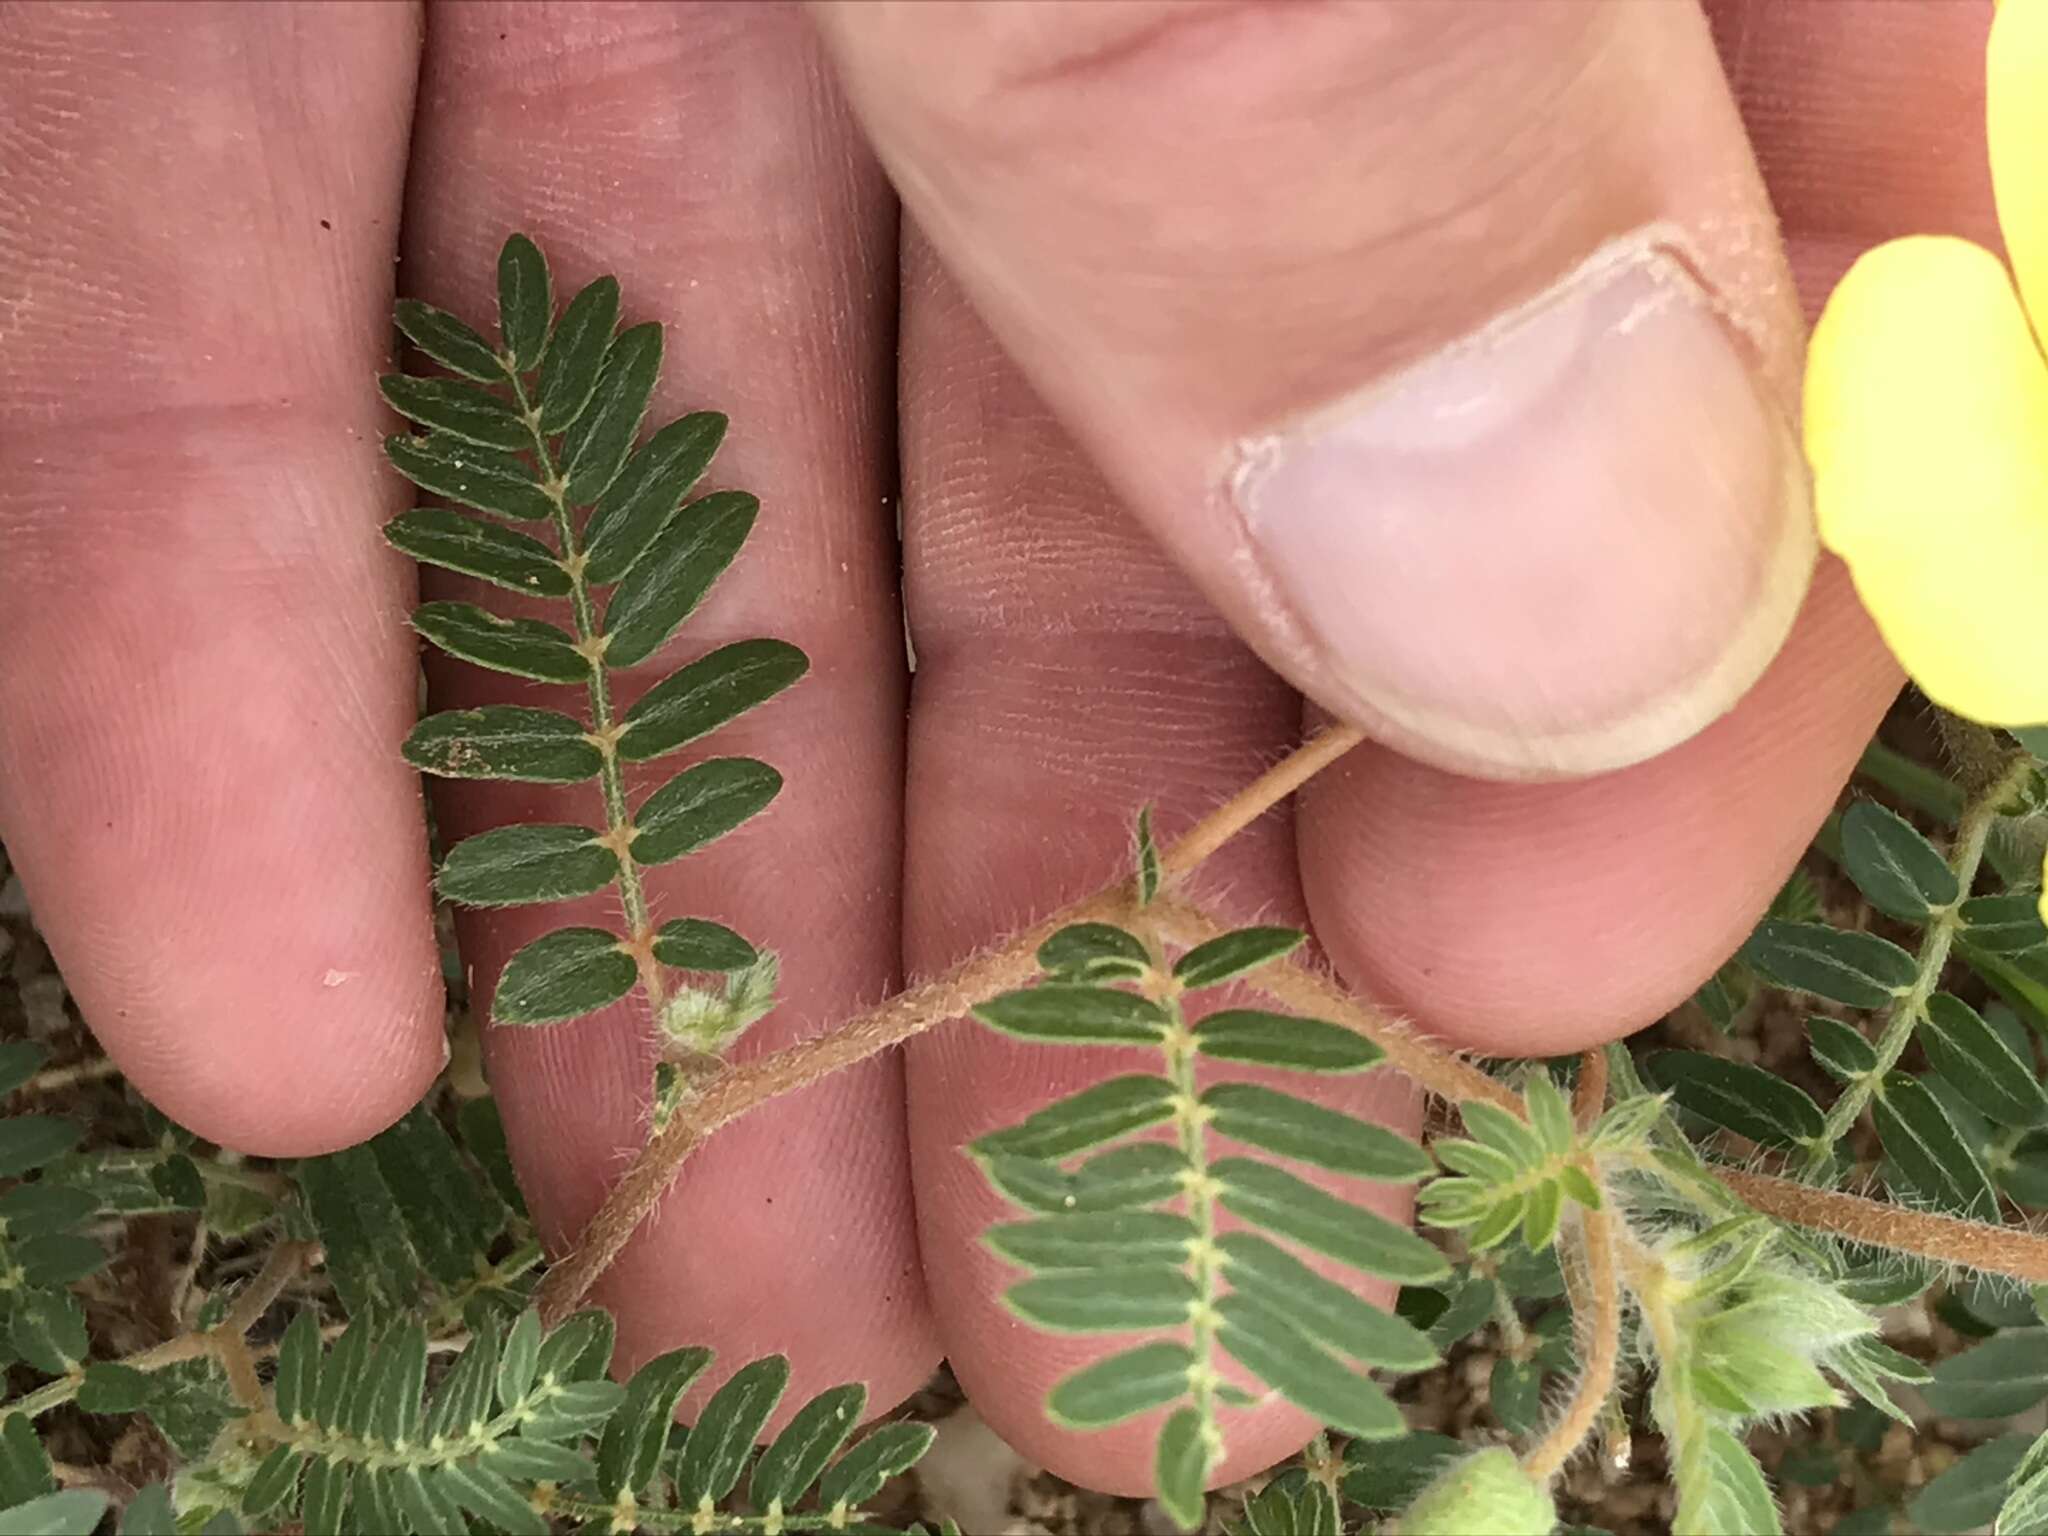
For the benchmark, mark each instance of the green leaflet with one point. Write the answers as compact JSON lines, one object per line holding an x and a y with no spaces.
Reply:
{"x":25,"y":1471}
{"x":276,"y":1480}
{"x":1233,"y":954}
{"x":1094,"y":952}
{"x":1927,"y":1151}
{"x":1386,"y":1475}
{"x":1857,"y":969}
{"x":1515,"y":1393}
{"x":31,"y":1210}
{"x":69,"y":1512}
{"x":1120,"y":1387}
{"x":20,"y":1060}
{"x":1549,"y":1115}
{"x":563,"y":975}
{"x":519,"y":1361}
{"x":298,"y":1368}
{"x":1181,"y":1466}
{"x":1265,"y":1343}
{"x":328,"y":1486}
{"x":1126,"y":1298}
{"x":1150,"y":871}
{"x":596,"y":446}
{"x":113,"y":1388}
{"x":526,"y":301}
{"x":695,"y":944}
{"x":1335,"y":1317}
{"x":700,"y":805}
{"x":2004,"y":1375}
{"x":487,"y":479}
{"x":1840,"y":1049}
{"x":503,"y":741}
{"x":2005,"y":924}
{"x":1282,"y":1040}
{"x":449,"y":1215}
{"x":792,"y":1463}
{"x":859,"y":1475}
{"x":47,"y":1329}
{"x":492,"y":1499}
{"x":1970,"y":1494}
{"x":1901,"y":873}
{"x":670,"y":579}
{"x":462,"y":1401}
{"x":523,"y":647}
{"x":629,"y":1453}
{"x":29,"y":1141}
{"x":1096,"y":1115}
{"x":150,"y":1513}
{"x":1067,"y":1013}
{"x":1733,"y":1497}
{"x":697,"y":699}
{"x":647,"y":492}
{"x":1746,"y":1099}
{"x":448,"y":341}
{"x":1094,"y":1240}
{"x":461,"y":409}
{"x":2026,"y":1502}
{"x":518,"y":865}
{"x":724,"y":1433}
{"x":1123,"y":1178}
{"x":575,"y":354}
{"x":1506,"y":1133}
{"x":1293,"y":1208}
{"x":1976,"y":1059}
{"x":1309,"y":1133}
{"x":494,"y":553}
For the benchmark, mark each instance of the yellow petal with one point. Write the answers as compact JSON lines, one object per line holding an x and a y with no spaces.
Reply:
{"x":1927,"y":429}
{"x":2016,"y":88}
{"x":2044,"y":887}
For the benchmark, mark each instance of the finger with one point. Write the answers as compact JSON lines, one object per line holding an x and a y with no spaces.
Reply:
{"x":204,"y":674}
{"x":1450,"y":349}
{"x":700,"y":153}
{"x":1067,"y":675}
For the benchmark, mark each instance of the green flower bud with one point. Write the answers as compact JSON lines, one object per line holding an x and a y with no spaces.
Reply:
{"x":1485,"y":1494}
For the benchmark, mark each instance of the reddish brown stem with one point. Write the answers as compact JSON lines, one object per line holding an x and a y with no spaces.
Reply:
{"x":1998,"y":1250}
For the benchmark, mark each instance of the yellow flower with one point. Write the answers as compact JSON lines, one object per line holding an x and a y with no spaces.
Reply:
{"x":1927,"y":422}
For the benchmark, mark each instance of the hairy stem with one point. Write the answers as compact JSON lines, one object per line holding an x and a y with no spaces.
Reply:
{"x":1978,"y":1245}
{"x":1678,"y":1412}
{"x":740,"y":1089}
{"x":603,"y":729}
{"x":1595,"y":1290}
{"x":589,"y":1514}
{"x":1906,"y":1011}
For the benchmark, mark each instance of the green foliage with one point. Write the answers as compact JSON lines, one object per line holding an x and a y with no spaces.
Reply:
{"x":1515,"y":1174}
{"x":541,"y":428}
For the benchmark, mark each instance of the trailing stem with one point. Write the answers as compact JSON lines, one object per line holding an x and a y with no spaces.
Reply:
{"x":1588,"y":1264}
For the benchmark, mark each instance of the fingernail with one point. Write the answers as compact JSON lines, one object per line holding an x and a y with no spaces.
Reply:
{"x":1561,"y":545}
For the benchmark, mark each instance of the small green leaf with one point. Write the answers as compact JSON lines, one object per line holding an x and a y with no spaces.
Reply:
{"x":20,"y":1060}
{"x":1279,"y":1202}
{"x":526,"y":301}
{"x":463,"y":410}
{"x":276,"y":1480}
{"x":397,"y":1381}
{"x":47,"y":1330}
{"x":792,"y":1463}
{"x":859,"y":1475}
{"x":700,"y":805}
{"x":488,"y":479}
{"x":1233,"y":954}
{"x":1121,"y":1179}
{"x":1507,"y":1133}
{"x":1309,"y":1133}
{"x":150,"y":1513}
{"x":725,"y":1431}
{"x":596,"y":446}
{"x":1549,"y":1115}
{"x":1928,"y":1152}
{"x":458,"y":542}
{"x":375,"y":1500}
{"x":1070,"y":1013}
{"x":1180,"y":1467}
{"x":462,"y":1401}
{"x":2005,"y":924}
{"x":29,"y":1141}
{"x":1980,"y":1064}
{"x":1282,"y":1040}
{"x":1387,"y":1475}
{"x":110,"y":1387}
{"x":1120,"y":1387}
{"x":563,"y":975}
{"x":1901,"y":873}
{"x":1860,"y":970}
{"x":519,"y":1360}
{"x":629,"y":1454}
{"x":25,"y":1471}
{"x":1094,"y":1240}
{"x":695,"y":944}
{"x":1265,"y":1343}
{"x":1333,"y":1316}
{"x":575,"y":354}
{"x":503,"y":741}
{"x":328,"y":1486}
{"x":574,"y":1409}
{"x":1841,"y":1049}
{"x":697,"y":699}
{"x":644,"y":497}
{"x":665,"y":585}
{"x":1515,"y":1393}
{"x":33,"y":1210}
{"x":493,"y":1499}
{"x":1746,"y":1099}
{"x":1094,"y":952}
{"x":1122,"y":1299}
{"x":522,"y":647}
{"x":580,"y":1349}
{"x":2026,"y":1498}
{"x":1968,"y":1495}
{"x":1737,"y":1500}
{"x":1090,"y":1118}
{"x":69,"y":1512}
{"x":448,"y":341}
{"x":513,"y":866}
{"x":2004,"y":1375}
{"x":341,"y":1373}
{"x":1150,"y":871}
{"x":1545,"y":1202}
{"x":535,"y":1461}
{"x":451,"y":1218}
{"x":1626,"y":1123}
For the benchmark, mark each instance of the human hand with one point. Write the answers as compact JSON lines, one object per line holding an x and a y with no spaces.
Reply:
{"x":1192,"y":227}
